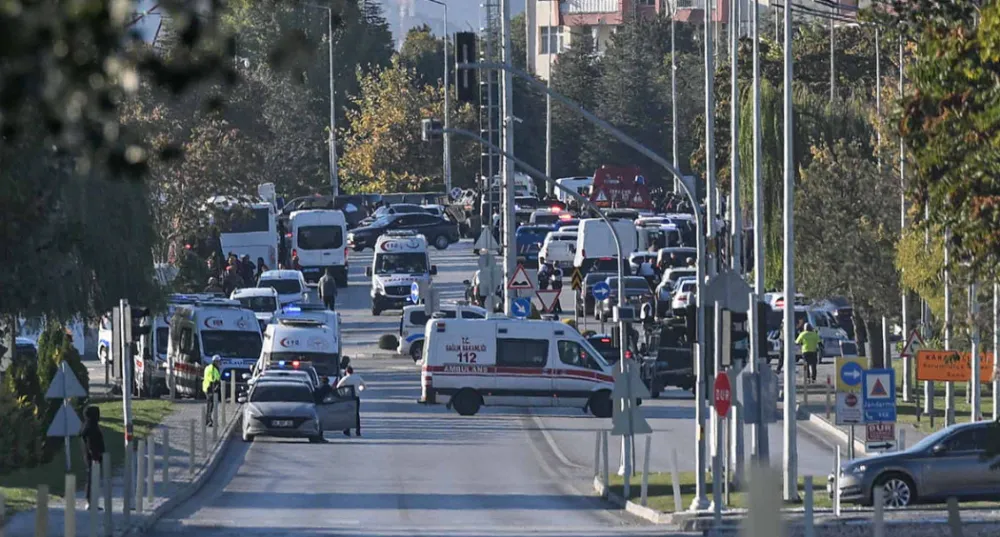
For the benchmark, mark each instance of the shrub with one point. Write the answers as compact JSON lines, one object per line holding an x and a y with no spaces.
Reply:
{"x":21,"y":436}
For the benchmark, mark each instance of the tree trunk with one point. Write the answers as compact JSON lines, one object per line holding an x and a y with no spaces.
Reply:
{"x":860,"y":333}
{"x":876,"y":359}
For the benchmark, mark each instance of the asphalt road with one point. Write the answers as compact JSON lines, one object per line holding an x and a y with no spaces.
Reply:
{"x":424,"y":470}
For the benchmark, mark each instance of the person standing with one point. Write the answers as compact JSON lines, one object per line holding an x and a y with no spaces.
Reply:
{"x":210,"y":384}
{"x":809,"y":340}
{"x":556,"y":281}
{"x":350,"y":379}
{"x":328,"y":289}
{"x":93,"y":447}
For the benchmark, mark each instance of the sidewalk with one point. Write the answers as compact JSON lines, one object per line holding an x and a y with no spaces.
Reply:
{"x":182,"y":481}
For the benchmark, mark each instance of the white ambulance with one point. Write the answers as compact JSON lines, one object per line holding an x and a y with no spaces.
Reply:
{"x":303,"y":338}
{"x":507,"y":362}
{"x":208,"y":327}
{"x":401,"y":258}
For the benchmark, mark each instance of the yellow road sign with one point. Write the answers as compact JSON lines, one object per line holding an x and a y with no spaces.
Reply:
{"x":577,"y":279}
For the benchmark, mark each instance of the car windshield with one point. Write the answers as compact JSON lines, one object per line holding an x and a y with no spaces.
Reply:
{"x":324,"y":363}
{"x":320,"y":237}
{"x":162,"y":336}
{"x":259,"y":304}
{"x":231,"y":343}
{"x":281,"y":393}
{"x":283,"y":287}
{"x":546,"y":218}
{"x":604,"y":347}
{"x":931,"y":440}
{"x":381,"y":221}
{"x":630,"y":284}
{"x":401,"y":263}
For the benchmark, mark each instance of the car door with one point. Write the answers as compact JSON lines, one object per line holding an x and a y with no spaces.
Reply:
{"x":338,"y":411}
{"x":958,"y":470}
{"x":521,"y":376}
{"x":575,"y":374}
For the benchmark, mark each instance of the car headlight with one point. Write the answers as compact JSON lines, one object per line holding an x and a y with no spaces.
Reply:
{"x":858,"y":469}
{"x":379,"y":286}
{"x":253,"y":412}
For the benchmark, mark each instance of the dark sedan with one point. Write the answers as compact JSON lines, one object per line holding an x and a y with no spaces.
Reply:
{"x":439,"y":232}
{"x":637,"y":293}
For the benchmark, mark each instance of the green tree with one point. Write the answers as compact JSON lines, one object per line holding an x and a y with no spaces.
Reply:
{"x":846,"y":233}
{"x":423,"y":53}
{"x":573,"y":76}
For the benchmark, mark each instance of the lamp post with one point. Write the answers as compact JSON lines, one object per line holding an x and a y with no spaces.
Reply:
{"x":332,"y":139}
{"x":447,"y":101}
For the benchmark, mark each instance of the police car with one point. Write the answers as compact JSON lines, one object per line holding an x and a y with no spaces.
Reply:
{"x":414,"y":320}
{"x":206,"y":328}
{"x":401,"y":258}
{"x":500,"y":361}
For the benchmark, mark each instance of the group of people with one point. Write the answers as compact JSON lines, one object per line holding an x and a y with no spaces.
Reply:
{"x":235,"y":273}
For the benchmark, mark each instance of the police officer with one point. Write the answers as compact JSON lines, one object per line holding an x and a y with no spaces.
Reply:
{"x":210,"y":384}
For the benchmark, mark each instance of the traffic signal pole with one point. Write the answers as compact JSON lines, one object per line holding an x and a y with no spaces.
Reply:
{"x":506,"y":164}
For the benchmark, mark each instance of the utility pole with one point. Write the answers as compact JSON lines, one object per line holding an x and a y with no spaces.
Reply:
{"x":507,"y":165}
{"x":926,"y":312}
{"x":907,"y":361}
{"x":975,"y":407}
{"x":833,"y":76}
{"x":949,"y":387}
{"x":759,"y":440}
{"x":549,"y":188}
{"x":790,"y":456}
{"x":673,"y":94}
{"x":735,"y":214}
{"x":710,"y":184}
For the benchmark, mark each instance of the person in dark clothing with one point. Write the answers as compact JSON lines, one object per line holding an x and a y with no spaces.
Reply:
{"x":261,"y":269}
{"x":213,"y":286}
{"x":93,"y":445}
{"x":324,"y":390}
{"x":328,"y":289}
{"x":556,"y":282}
{"x":247,"y":270}
{"x":231,"y":281}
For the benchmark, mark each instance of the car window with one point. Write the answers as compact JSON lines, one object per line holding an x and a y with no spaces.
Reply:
{"x":522,"y":352}
{"x":572,"y":353}
{"x":466,"y":314}
{"x":821,"y":320}
{"x":418,"y":317}
{"x":965,"y":440}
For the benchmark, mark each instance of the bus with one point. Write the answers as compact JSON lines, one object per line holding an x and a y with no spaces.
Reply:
{"x":248,"y":229}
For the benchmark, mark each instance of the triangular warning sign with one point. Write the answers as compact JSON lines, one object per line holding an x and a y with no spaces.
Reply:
{"x":878,"y":390}
{"x":913,"y":344}
{"x":66,"y":422}
{"x":520,"y":279}
{"x":637,"y":198}
{"x":548,"y":298}
{"x":601,"y":196}
{"x":65,"y":385}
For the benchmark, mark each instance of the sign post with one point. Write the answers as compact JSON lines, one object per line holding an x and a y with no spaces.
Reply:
{"x":66,"y":423}
{"x":848,"y":408}
{"x":879,"y":403}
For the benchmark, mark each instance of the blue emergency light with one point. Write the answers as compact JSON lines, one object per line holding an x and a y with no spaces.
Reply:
{"x":291,"y":308}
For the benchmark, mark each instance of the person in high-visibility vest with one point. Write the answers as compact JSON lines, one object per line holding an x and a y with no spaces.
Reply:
{"x":809,"y":340}
{"x":210,"y":384}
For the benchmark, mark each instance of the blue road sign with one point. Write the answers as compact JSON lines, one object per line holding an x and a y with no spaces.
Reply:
{"x":600,"y":290}
{"x":851,"y":374}
{"x":415,"y":293}
{"x":879,"y":395}
{"x":521,"y":307}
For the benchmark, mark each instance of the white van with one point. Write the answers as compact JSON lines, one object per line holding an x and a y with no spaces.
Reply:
{"x":594,"y":241}
{"x":558,"y":247}
{"x":208,"y":327}
{"x":470,"y":363}
{"x":400,"y":259}
{"x":318,"y":238}
{"x":290,"y":284}
{"x":414,"y":320}
{"x":301,"y":339}
{"x":581,"y":185}
{"x":262,"y":301}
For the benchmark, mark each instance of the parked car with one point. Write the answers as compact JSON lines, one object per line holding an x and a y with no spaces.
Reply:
{"x":438,"y":231}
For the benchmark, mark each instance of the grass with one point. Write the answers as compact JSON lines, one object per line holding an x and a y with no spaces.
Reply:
{"x":19,"y":486}
{"x":661,"y":492}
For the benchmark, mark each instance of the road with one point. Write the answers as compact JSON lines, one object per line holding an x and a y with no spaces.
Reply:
{"x":424,"y":470}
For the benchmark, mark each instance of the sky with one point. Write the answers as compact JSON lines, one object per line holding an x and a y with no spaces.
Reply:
{"x":463,"y":15}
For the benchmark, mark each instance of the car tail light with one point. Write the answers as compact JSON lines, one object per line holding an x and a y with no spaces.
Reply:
{"x":288,"y":235}
{"x":605,"y":340}
{"x":295,"y":364}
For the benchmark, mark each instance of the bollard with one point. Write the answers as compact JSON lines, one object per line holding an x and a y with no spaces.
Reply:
{"x":954,"y":517}
{"x":232,"y":392}
{"x":836,"y":484}
{"x":151,"y":470}
{"x":604,"y":453}
{"x":215,"y":426}
{"x":42,"y":511}
{"x":829,"y":397}
{"x":95,"y":497}
{"x":109,"y":527}
{"x":128,"y":494}
{"x":204,"y":432}
{"x":901,"y":445}
{"x":69,"y":514}
{"x":805,"y":385}
{"x":191,"y":452}
{"x":222,"y":406}
{"x":675,"y":481}
{"x":878,"y":517}
{"x":140,"y":474}
{"x":644,"y":489}
{"x":807,"y":513}
{"x":597,"y":454}
{"x":763,"y":512}
{"x":166,"y":456}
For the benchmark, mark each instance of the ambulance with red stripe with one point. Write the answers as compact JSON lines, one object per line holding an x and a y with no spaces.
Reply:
{"x":469,"y":363}
{"x":209,"y":327}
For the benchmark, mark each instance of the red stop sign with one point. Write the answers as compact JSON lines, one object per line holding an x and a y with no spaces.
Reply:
{"x":723,"y":394}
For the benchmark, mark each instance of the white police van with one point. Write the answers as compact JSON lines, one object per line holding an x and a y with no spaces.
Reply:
{"x":318,"y":239}
{"x":414,"y":320}
{"x":203,"y":329}
{"x":401,"y":258}
{"x":507,"y":362}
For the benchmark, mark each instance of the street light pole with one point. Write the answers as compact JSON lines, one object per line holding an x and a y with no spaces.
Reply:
{"x":790,"y":456}
{"x":332,"y":138}
{"x":673,"y":94}
{"x":506,"y":164}
{"x":446,"y":157}
{"x":759,"y":439}
{"x":736,"y":216}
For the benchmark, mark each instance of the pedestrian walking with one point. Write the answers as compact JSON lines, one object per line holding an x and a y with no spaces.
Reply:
{"x":93,"y":446}
{"x":328,"y":289}
{"x":210,"y":384}
{"x":809,"y":340}
{"x":350,"y":379}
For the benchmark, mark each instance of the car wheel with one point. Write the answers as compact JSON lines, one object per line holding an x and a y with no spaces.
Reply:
{"x":416,"y":351}
{"x":467,"y":402}
{"x":600,"y":404}
{"x":441,"y":242}
{"x":898,"y":490}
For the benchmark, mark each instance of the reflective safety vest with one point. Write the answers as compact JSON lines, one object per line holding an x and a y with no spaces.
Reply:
{"x":212,"y":374}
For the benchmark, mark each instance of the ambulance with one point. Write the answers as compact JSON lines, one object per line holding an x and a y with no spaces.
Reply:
{"x":400,"y":259}
{"x":205,"y":328}
{"x":294,"y":339}
{"x":150,"y":359}
{"x":506,"y":362}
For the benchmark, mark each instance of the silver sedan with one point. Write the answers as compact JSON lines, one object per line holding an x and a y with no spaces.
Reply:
{"x":283,"y":409}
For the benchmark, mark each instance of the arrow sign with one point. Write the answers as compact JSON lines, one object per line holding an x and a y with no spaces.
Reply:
{"x":601,"y":290}
{"x":884,"y":445}
{"x":521,"y":307}
{"x":549,"y":298}
{"x":415,"y":292}
{"x":577,"y":279}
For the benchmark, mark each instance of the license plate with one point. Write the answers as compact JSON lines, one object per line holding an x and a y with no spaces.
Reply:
{"x":310,"y":270}
{"x":281,"y":423}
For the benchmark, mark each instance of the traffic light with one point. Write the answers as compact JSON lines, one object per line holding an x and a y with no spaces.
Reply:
{"x":761,"y":313}
{"x":138,"y":314}
{"x":739,"y":335}
{"x":691,"y":321}
{"x":467,"y":85}
{"x":430,"y":129}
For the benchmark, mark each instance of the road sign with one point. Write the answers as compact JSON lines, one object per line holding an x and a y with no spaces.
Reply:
{"x":486,"y":241}
{"x":549,"y":298}
{"x":66,"y":422}
{"x":577,"y":279}
{"x":849,"y":374}
{"x":456,"y":193}
{"x":879,"y":395}
{"x":520,"y":279}
{"x":626,"y":417}
{"x":951,"y":366}
{"x":601,"y":290}
{"x":415,"y":292}
{"x":880,"y":436}
{"x":723,"y":394}
{"x":848,"y":409}
{"x":65,"y":385}
{"x":913,"y":344}
{"x":521,"y":307}
{"x":748,"y":393}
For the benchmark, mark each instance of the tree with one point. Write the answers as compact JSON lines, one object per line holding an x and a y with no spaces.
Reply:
{"x":574,"y":76}
{"x":846,"y":233}
{"x":423,"y":53}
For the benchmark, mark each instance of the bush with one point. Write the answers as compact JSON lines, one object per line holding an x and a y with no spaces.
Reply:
{"x":21,"y":436}
{"x":388,"y":342}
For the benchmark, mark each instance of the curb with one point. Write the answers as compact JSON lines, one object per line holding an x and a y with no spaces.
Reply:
{"x":645,"y":513}
{"x":832,"y":430}
{"x":140,"y":527}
